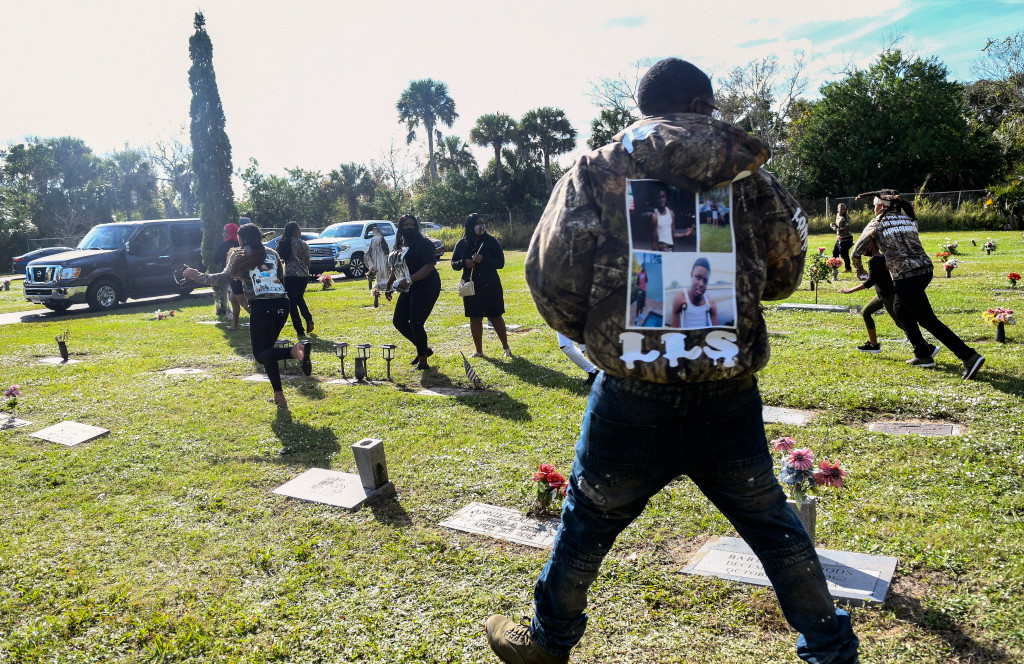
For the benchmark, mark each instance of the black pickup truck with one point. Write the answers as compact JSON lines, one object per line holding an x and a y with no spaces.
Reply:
{"x":115,"y":262}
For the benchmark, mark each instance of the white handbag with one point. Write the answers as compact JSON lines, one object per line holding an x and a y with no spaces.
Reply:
{"x":468,"y":288}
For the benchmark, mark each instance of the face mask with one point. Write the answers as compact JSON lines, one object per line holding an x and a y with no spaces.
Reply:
{"x":409,"y":233}
{"x":480,"y":229}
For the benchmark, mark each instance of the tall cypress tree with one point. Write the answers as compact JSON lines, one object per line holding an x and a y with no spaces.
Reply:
{"x":211,"y":150}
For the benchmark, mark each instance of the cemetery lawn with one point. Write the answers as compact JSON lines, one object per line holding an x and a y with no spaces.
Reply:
{"x":163,"y":542}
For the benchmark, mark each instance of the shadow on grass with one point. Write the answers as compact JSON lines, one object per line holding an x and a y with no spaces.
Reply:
{"x":489,"y":402}
{"x":536,"y":374}
{"x":389,"y":511}
{"x":304,"y":443}
{"x":131,"y":307}
{"x":945,"y":627}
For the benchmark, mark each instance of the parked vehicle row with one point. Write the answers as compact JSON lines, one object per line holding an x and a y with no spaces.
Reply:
{"x":135,"y":259}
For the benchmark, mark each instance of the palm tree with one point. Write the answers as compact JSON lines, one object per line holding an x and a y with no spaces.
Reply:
{"x":496,"y":130}
{"x":454,"y":155}
{"x":350,"y":181}
{"x":426,"y":102}
{"x":548,"y":131}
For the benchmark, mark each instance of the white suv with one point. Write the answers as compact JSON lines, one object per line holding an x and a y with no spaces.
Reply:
{"x":343,"y":245}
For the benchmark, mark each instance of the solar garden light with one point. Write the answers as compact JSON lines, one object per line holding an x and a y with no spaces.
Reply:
{"x":388,"y":353}
{"x":341,"y":350}
{"x":362,"y":355}
{"x":283,"y":343}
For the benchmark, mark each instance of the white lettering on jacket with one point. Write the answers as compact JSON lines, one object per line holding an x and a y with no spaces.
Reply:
{"x":720,"y":345}
{"x":801,"y":226}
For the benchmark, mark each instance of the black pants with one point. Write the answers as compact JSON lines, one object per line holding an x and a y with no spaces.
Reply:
{"x":413,"y":308}
{"x":265,"y":324}
{"x":296,"y":288}
{"x":876,"y":304}
{"x":842,"y":248}
{"x":912,"y":308}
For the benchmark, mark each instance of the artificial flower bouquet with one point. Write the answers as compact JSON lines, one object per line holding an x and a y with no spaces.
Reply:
{"x":11,"y":394}
{"x":950,"y":246}
{"x":799,"y":476}
{"x":990,"y":245}
{"x":549,"y":487}
{"x":326,"y":281}
{"x":999,"y":315}
{"x":1013,"y":278}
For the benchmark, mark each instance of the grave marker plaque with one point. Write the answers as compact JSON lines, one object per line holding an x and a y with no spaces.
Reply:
{"x":791,"y":416}
{"x":917,"y":428}
{"x":58,"y":361}
{"x":183,"y":371}
{"x":262,"y":378}
{"x":331,"y":487}
{"x":857,"y":577}
{"x":70,"y":433}
{"x":448,"y":392}
{"x":504,"y":523}
{"x":829,"y":308}
{"x":8,"y":423}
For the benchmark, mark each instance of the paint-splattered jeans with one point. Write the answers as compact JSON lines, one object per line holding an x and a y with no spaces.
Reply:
{"x":636,"y":438}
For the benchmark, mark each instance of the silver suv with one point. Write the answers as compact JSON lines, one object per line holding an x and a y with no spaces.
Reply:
{"x":343,"y":246}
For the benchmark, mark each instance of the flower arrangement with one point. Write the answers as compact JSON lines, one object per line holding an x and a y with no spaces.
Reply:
{"x":950,"y":264}
{"x":549,"y":485}
{"x":818,"y":269}
{"x":999,"y":315}
{"x":798,"y":473}
{"x":950,"y":246}
{"x":1013,"y":278}
{"x":834,"y":263}
{"x":160,"y":315}
{"x":11,"y":394}
{"x":990,"y":245}
{"x":5,"y":284}
{"x":326,"y":281}
{"x":821,"y":251}
{"x":943,"y":255}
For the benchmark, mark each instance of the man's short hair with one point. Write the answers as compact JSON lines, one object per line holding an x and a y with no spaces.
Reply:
{"x":701,"y":262}
{"x":671,"y":85}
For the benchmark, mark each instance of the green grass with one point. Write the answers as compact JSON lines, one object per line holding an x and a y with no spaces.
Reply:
{"x":162,"y":541}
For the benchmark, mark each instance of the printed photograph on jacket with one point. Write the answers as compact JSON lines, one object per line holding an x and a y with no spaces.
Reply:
{"x":683,"y":259}
{"x":265,"y":277}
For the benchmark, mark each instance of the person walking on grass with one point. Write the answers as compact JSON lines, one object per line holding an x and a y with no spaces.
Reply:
{"x":661,"y":402}
{"x":894,"y":232}
{"x":419,"y":286}
{"x":295,"y":253}
{"x":844,"y":237}
{"x":479,"y":256}
{"x":260,"y":272}
{"x":885,"y":295}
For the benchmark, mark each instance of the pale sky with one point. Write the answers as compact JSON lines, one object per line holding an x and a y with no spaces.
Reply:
{"x":312,"y":83}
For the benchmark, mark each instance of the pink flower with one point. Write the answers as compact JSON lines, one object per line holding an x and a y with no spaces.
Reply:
{"x":12,"y":392}
{"x":801,"y":459}
{"x":784,"y":444}
{"x":829,"y":474}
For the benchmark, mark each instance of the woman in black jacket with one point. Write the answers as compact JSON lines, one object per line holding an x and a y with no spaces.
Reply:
{"x":419,"y":290}
{"x":479,"y":256}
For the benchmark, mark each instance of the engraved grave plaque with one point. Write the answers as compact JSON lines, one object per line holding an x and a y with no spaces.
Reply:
{"x":791,"y":416}
{"x":917,"y":428}
{"x":183,"y":371}
{"x":331,"y":487}
{"x":70,"y":433}
{"x":504,"y":523}
{"x":448,"y":392}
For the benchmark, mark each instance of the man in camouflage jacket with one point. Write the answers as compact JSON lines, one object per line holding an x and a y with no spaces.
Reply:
{"x":670,"y":401}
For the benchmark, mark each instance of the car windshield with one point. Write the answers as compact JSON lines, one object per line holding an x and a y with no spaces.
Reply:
{"x":343,"y":230}
{"x":106,"y":237}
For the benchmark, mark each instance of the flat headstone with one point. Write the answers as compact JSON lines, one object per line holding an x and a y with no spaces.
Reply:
{"x":183,"y":371}
{"x":448,"y":392}
{"x":858,"y":577}
{"x":488,"y":326}
{"x":70,"y":433}
{"x":57,"y":361}
{"x":504,"y":523}
{"x":16,"y":423}
{"x":331,"y":487}
{"x":790,"y":416}
{"x":832,"y":308}
{"x":353,"y":381}
{"x":210,"y":322}
{"x":1008,"y":290}
{"x":780,"y":333}
{"x":262,"y":378}
{"x":916,"y":428}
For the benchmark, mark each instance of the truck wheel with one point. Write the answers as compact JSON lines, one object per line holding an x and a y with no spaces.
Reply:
{"x":57,"y":306}
{"x":356,"y":266}
{"x":102,"y":295}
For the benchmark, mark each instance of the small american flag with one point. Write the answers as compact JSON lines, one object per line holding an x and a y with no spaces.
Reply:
{"x":470,"y":374}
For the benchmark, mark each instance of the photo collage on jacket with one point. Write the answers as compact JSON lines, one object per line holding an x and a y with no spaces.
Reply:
{"x":683,"y":257}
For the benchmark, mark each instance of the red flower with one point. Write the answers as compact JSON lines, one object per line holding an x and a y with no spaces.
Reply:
{"x":1013,"y":276}
{"x":829,"y":474}
{"x":801,"y":459}
{"x":784,"y":444}
{"x":557,"y":481}
{"x":544,"y":471}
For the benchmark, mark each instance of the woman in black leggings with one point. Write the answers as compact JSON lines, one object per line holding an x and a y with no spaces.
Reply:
{"x":295,"y":253}
{"x":260,"y":272}
{"x":419,"y":290}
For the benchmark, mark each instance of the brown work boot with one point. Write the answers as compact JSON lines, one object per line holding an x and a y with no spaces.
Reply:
{"x":512,"y":644}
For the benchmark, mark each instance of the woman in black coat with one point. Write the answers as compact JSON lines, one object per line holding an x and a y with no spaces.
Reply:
{"x":479,"y":256}
{"x":419,"y":286}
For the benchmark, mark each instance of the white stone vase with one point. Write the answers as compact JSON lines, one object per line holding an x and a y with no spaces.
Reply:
{"x":808,"y":514}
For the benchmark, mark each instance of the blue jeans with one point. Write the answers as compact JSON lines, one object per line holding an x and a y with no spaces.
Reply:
{"x":636,"y":438}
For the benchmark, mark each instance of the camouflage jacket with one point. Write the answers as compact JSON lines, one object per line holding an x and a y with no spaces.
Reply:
{"x":895,"y":235}
{"x":594,"y":235}
{"x":842,"y":226}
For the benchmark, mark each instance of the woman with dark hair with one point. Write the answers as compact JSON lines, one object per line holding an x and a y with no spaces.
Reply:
{"x":295,"y":253}
{"x":420,"y":286}
{"x":894,"y":232}
{"x":259,"y":270}
{"x":479,"y":256}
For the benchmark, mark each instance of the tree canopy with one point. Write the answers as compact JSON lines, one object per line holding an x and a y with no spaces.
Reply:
{"x":426,"y":102}
{"x":547,"y":131}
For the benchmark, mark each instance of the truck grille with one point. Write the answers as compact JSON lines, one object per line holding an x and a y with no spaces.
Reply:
{"x":321,"y":252}
{"x":42,"y":274}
